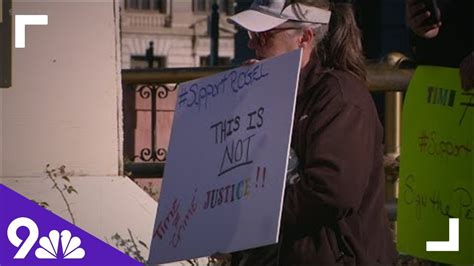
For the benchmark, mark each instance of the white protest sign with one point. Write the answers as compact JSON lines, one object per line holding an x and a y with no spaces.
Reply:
{"x":225,"y":170}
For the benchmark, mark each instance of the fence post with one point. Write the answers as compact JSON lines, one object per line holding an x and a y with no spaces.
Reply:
{"x":393,"y":129}
{"x":393,"y":121}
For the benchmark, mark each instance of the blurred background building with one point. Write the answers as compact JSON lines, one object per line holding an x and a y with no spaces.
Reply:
{"x":177,"y":32}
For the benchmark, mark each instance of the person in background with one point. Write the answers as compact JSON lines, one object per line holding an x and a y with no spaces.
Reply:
{"x":333,"y":212}
{"x":444,"y":41}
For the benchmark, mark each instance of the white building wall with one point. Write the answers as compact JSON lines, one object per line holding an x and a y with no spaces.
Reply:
{"x":65,"y":108}
{"x":63,"y":105}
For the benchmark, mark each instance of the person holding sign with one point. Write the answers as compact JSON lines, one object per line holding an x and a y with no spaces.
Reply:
{"x":443,"y":35}
{"x":334,"y":213}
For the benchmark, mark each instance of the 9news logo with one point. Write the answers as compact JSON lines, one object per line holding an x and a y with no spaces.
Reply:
{"x":49,"y":245}
{"x":31,"y":235}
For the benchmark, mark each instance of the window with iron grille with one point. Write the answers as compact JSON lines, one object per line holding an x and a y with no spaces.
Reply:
{"x":131,"y":4}
{"x":204,"y":6}
{"x":145,"y":5}
{"x":159,"y":5}
{"x":155,"y":5}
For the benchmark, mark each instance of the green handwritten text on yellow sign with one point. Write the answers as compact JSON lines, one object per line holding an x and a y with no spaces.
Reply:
{"x":436,"y":171}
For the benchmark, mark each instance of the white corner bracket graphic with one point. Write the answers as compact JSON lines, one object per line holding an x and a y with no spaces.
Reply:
{"x":21,"y":21}
{"x":452,"y":244}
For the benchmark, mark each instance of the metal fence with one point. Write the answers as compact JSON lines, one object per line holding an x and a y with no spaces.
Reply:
{"x":151,"y":85}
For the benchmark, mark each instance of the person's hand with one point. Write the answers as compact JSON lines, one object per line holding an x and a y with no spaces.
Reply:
{"x":250,"y":62}
{"x":466,"y":70}
{"x":416,"y":16}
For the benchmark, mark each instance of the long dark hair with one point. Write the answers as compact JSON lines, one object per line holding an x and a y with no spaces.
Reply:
{"x":340,"y":47}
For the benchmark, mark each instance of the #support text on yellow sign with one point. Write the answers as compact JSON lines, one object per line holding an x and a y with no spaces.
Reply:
{"x":436,"y":168}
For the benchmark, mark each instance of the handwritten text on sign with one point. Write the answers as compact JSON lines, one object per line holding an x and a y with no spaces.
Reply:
{"x":198,"y":94}
{"x":436,"y":170}
{"x":225,"y":170}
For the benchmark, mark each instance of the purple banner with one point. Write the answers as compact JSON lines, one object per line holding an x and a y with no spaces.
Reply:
{"x":31,"y":235}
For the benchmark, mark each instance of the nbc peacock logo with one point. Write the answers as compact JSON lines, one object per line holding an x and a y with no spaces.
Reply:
{"x":70,"y":246}
{"x":49,"y":245}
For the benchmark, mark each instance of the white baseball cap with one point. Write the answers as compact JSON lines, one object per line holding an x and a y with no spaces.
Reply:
{"x":265,"y":15}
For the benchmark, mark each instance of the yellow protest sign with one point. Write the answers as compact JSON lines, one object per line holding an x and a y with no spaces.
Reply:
{"x":436,"y":166}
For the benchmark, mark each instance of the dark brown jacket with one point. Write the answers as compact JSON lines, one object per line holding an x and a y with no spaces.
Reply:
{"x":335,"y":214}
